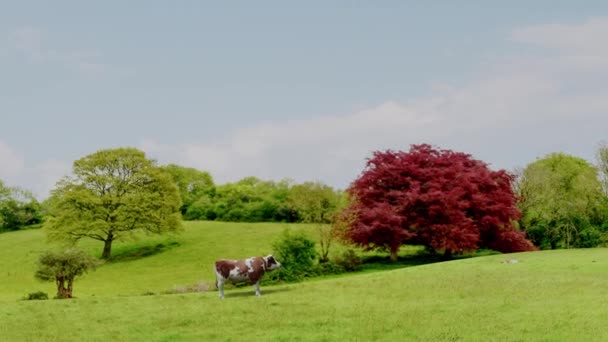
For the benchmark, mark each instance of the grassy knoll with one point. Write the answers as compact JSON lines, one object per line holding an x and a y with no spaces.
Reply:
{"x":548,"y":296}
{"x":149,"y":264}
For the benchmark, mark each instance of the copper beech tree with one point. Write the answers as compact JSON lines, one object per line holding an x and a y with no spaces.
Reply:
{"x":444,"y":200}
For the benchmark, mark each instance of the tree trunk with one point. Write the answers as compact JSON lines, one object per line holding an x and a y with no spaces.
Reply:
{"x":394,"y":253}
{"x":447,"y":254}
{"x":62,"y":292}
{"x":107,"y":247}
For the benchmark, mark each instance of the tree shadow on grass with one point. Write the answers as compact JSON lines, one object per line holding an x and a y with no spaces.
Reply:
{"x":381,"y":262}
{"x":139,"y":252}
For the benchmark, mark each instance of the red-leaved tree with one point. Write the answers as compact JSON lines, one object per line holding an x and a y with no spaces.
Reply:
{"x":441,"y":199}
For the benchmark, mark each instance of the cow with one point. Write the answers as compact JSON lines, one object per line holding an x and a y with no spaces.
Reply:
{"x":248,"y":270}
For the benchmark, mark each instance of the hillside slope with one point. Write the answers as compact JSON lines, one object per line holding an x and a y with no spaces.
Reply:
{"x":554,"y":295}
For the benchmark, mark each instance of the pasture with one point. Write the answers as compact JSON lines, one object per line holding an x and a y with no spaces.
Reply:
{"x":546,"y":296}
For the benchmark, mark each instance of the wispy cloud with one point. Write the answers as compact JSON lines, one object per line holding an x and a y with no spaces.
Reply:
{"x":519,"y":108}
{"x":39,"y":178}
{"x":34,"y":45}
{"x":11,"y":162}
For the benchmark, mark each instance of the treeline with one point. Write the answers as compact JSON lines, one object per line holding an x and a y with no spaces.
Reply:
{"x":248,"y":200}
{"x":18,"y":208}
{"x":561,"y":200}
{"x":252,"y":199}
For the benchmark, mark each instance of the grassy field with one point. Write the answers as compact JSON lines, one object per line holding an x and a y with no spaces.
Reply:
{"x":546,"y":296}
{"x":173,"y":261}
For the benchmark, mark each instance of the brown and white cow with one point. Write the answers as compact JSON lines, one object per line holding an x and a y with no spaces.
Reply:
{"x":248,"y":270}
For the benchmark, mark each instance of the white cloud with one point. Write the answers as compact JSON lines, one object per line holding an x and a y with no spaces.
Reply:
{"x":11,"y":163}
{"x":520,"y":108}
{"x":46,"y":175}
{"x":33,"y":44}
{"x":39,"y":178}
{"x":586,"y":38}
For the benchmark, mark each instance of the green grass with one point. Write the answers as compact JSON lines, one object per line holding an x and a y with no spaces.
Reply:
{"x":546,"y":296}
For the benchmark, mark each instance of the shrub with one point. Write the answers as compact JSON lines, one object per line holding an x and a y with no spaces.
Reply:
{"x":349,"y":261}
{"x":37,"y":296}
{"x":297,"y":254}
{"x":328,"y":268}
{"x":589,"y":237}
{"x":63,"y":267}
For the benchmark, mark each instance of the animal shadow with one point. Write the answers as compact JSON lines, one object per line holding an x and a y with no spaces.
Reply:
{"x":251,"y":292}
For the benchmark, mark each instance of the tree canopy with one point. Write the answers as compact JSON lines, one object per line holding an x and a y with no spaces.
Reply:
{"x":562,"y":202}
{"x":441,"y":199}
{"x":112,"y":194}
{"x":314,"y":202}
{"x":18,"y":208}
{"x":63,"y":267}
{"x":193,"y":185}
{"x":602,"y":158}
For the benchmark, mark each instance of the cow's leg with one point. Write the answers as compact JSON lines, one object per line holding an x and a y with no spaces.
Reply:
{"x":256,"y":286}
{"x":220,"y":287}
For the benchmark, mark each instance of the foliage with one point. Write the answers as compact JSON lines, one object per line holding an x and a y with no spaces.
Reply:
{"x":442,"y":199}
{"x":318,"y":203}
{"x":113,"y":194}
{"x":18,"y":208}
{"x":193,"y":185}
{"x":248,"y":200}
{"x":602,"y":158}
{"x":314,"y":202}
{"x":254,"y":200}
{"x":297,"y":255}
{"x":327,"y":268}
{"x":39,"y":295}
{"x":349,"y":260}
{"x":326,"y":236}
{"x":562,"y":202}
{"x":63,"y":267}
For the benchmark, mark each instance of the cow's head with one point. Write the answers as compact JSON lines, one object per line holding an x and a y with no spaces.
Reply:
{"x":271,"y":262}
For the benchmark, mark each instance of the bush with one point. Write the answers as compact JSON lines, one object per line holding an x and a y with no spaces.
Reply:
{"x":589,"y":237}
{"x":37,"y":296}
{"x":349,"y":261}
{"x":296,"y":253}
{"x":327,"y":268}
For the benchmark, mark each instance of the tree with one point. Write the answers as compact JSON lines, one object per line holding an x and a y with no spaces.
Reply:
{"x":602,"y":158}
{"x":251,"y":200}
{"x":316,"y":203}
{"x":18,"y":208}
{"x":63,"y":267}
{"x":562,"y":202}
{"x":444,"y":200}
{"x":193,"y":185}
{"x":113,"y":194}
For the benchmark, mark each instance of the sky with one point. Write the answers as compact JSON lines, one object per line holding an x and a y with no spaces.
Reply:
{"x":301,"y":90}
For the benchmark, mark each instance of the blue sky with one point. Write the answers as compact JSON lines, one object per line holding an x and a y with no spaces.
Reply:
{"x":304,"y":91}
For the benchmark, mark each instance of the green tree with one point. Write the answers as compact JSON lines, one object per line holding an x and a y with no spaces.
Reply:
{"x":561,"y":201}
{"x":63,"y":267}
{"x":252,"y":200}
{"x":194,"y":186}
{"x":602,"y":158}
{"x":18,"y":208}
{"x":113,"y":194}
{"x":317,"y":203}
